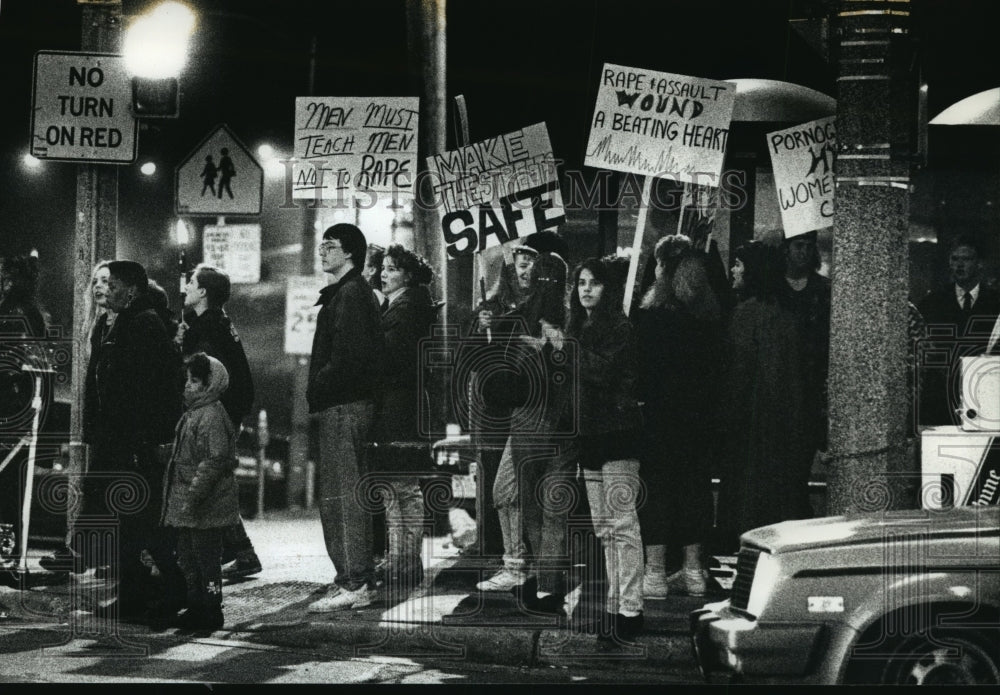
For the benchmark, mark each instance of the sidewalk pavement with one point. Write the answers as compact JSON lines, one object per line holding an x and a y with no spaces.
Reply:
{"x":444,"y":619}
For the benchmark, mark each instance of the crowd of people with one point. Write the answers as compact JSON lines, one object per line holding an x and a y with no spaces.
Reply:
{"x":705,"y":377}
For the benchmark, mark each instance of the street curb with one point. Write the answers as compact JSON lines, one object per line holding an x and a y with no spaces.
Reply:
{"x":495,"y":645}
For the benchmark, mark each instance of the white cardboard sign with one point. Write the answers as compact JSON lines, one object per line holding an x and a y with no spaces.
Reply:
{"x":802,"y":158}
{"x":661,"y":124}
{"x":349,"y":144}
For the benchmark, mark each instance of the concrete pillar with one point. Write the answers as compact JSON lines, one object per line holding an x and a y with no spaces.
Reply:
{"x":876,"y":126}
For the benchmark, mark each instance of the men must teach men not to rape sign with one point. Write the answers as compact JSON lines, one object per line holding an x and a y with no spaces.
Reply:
{"x":659,"y":124}
{"x":495,"y":191}
{"x":802,"y":158}
{"x":349,"y":144}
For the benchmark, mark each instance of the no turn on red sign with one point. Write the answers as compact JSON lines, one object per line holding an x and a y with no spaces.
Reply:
{"x":80,"y":108}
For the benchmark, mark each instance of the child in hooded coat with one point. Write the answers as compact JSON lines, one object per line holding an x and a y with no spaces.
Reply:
{"x":200,"y":496}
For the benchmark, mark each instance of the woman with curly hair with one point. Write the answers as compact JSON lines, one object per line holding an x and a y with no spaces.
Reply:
{"x":406,"y":319}
{"x":680,"y":338}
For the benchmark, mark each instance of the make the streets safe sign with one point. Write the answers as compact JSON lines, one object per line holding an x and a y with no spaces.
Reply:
{"x":659,"y":124}
{"x":80,"y":108}
{"x":495,"y":191}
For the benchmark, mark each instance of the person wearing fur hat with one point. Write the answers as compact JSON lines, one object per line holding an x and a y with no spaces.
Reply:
{"x":679,"y":329}
{"x":199,"y":490}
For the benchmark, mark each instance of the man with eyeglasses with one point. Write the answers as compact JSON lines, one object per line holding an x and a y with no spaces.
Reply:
{"x":344,"y":370}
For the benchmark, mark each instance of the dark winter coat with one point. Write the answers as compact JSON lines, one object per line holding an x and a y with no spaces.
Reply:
{"x":681,"y":365}
{"x":404,"y":323}
{"x":214,"y":334}
{"x":138,"y":399}
{"x":348,"y":346}
{"x":199,"y":488}
{"x":91,"y":410}
{"x":766,"y":445}
{"x":610,"y":419}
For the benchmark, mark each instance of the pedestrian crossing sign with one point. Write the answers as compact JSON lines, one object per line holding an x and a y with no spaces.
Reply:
{"x":220,"y":177}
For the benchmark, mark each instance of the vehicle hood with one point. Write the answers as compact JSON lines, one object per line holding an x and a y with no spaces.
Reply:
{"x":855,"y":529}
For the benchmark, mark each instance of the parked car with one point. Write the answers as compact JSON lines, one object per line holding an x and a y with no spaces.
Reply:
{"x":906,"y":597}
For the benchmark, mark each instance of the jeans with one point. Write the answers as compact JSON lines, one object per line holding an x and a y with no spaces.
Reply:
{"x":404,"y":517}
{"x":533,"y":494}
{"x":199,"y":554}
{"x":347,"y":527}
{"x":612,"y":493}
{"x":236,"y":544}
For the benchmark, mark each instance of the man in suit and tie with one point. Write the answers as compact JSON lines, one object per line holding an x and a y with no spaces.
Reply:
{"x":960,"y":317}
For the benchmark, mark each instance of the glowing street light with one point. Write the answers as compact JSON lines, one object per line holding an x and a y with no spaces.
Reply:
{"x":148,"y":168}
{"x":155,"y":50}
{"x":31,"y":162}
{"x":155,"y":44}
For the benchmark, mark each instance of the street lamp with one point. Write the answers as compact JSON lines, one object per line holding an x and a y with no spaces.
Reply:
{"x":155,"y":50}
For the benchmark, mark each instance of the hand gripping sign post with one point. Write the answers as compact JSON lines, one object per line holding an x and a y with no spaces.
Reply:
{"x":657,"y":124}
{"x":80,"y":108}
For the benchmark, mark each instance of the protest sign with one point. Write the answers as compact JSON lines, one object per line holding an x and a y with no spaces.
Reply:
{"x":235,"y":249}
{"x":659,"y":124}
{"x":492,"y":192}
{"x":802,"y":158}
{"x":349,"y":144}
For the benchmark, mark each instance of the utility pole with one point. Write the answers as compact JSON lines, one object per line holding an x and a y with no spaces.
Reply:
{"x":427,"y":49}
{"x":877,"y":126}
{"x":96,"y":222}
{"x":297,"y":486}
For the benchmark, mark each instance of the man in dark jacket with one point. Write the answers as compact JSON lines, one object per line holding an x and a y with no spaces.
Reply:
{"x":344,"y":368}
{"x":139,"y":403}
{"x":962,"y":314}
{"x":207,"y":329}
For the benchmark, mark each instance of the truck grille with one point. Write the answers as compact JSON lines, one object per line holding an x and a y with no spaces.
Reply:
{"x":746,"y":565}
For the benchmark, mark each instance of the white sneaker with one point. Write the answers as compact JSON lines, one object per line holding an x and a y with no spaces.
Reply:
{"x":654,"y":585}
{"x":688,"y":581}
{"x":340,"y":599}
{"x":504,"y":580}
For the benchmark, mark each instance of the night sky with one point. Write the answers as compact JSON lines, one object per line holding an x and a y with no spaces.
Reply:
{"x":517,"y":62}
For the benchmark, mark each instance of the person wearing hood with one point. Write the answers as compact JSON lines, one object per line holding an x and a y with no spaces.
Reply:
{"x":207,"y":328}
{"x":199,"y":490}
